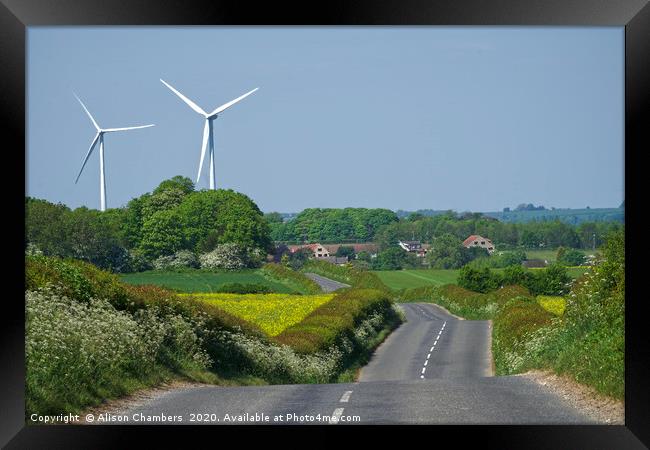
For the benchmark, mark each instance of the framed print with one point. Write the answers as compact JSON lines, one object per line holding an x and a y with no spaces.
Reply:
{"x":383,"y":215}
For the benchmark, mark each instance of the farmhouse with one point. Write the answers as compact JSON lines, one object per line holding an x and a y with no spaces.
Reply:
{"x":331,"y":249}
{"x":318,"y":250}
{"x":414,"y":247}
{"x":476,"y":240}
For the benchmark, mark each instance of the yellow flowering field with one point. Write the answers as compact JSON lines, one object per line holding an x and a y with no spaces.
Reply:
{"x":554,"y":305}
{"x":271,"y":312}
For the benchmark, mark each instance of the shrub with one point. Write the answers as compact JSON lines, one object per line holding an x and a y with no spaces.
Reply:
{"x":75,"y":279}
{"x":78,"y":353}
{"x":296,"y":280}
{"x":229,"y":256}
{"x":513,"y":327}
{"x":139,"y":261}
{"x":348,"y":274}
{"x":182,"y":259}
{"x":478,"y":280}
{"x":570,"y":257}
{"x":244,"y":288}
{"x":553,"y":280}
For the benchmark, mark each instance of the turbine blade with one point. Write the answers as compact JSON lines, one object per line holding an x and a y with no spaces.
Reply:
{"x":190,"y":103}
{"x":90,"y":150}
{"x":206,"y":133}
{"x":230,"y":103}
{"x":110,"y":130}
{"x":87,"y":112}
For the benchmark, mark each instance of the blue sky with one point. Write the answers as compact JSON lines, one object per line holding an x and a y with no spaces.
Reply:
{"x":464,"y":118}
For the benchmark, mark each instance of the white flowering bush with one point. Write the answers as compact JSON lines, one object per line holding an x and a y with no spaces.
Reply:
{"x":182,"y":259}
{"x":78,"y":352}
{"x":32,"y":250}
{"x":229,"y":256}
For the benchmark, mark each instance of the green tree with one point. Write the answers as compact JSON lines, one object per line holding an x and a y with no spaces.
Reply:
{"x":343,"y":251}
{"x":447,"y":252}
{"x":162,"y":234}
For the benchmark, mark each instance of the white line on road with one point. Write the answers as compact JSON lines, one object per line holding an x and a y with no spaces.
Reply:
{"x":336,"y":415}
{"x":431,"y":349}
{"x":346,"y":397}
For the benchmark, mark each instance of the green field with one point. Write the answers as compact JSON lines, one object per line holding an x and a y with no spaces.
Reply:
{"x":400,"y":279}
{"x":200,"y":281}
{"x":550,"y":255}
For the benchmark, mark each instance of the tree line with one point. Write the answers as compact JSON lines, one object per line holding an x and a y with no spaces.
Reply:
{"x":169,"y":222}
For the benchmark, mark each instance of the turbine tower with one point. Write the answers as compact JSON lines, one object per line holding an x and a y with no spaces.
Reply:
{"x":208,"y":135}
{"x":99,"y":137}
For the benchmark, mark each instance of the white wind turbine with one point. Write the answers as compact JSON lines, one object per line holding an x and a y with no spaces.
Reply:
{"x":99,"y":137}
{"x":208,"y":135}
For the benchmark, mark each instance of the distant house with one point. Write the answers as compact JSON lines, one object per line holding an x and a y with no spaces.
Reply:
{"x":332,"y":248}
{"x":476,"y":240}
{"x":318,"y":250}
{"x":414,"y":247}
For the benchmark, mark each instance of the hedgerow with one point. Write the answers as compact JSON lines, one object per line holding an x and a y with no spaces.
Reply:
{"x":296,"y":280}
{"x":335,"y":320}
{"x":348,"y":274}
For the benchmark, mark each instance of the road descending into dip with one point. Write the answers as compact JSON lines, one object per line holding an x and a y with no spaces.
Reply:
{"x":434,"y":369}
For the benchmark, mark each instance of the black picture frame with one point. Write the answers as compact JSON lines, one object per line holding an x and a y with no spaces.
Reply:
{"x":634,"y":15}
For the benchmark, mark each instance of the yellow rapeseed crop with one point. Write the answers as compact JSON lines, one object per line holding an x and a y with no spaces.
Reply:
{"x":271,"y":312}
{"x":554,"y":305}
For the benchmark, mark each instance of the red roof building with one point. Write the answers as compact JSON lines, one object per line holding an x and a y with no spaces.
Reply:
{"x":476,"y":240}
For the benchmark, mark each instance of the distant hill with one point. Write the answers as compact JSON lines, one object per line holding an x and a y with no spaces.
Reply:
{"x":566,"y":215}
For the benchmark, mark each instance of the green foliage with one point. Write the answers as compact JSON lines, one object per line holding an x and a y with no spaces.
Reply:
{"x":75,"y":279}
{"x":478,"y":280}
{"x":299,"y":281}
{"x":239,"y":288}
{"x":553,"y":280}
{"x":344,"y":250}
{"x":348,"y":274}
{"x":333,"y":225}
{"x":173,"y":217}
{"x":570,"y":257}
{"x":82,"y":234}
{"x":447,"y":252}
{"x":77,"y":354}
{"x":335,"y":320}
{"x":394,"y":258}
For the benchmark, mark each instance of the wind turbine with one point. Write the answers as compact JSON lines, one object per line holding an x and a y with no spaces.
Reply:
{"x":99,"y":137}
{"x":208,"y":135}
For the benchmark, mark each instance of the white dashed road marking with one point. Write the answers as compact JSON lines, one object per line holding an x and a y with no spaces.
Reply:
{"x":336,"y":415}
{"x":426,"y":361}
{"x":346,"y":397}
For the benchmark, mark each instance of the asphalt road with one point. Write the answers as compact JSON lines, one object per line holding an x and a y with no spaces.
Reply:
{"x":454,"y":386}
{"x":326,"y":284}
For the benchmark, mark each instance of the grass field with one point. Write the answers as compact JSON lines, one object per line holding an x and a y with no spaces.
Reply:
{"x":199,"y":281}
{"x":550,"y":255}
{"x":273,"y":313}
{"x":400,"y":279}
